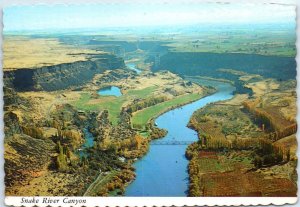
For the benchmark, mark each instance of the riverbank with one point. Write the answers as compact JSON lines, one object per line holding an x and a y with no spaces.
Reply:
{"x":147,"y":115}
{"x":231,"y":149}
{"x":168,"y":160}
{"x":155,"y":133}
{"x":140,"y":145}
{"x":187,"y":77}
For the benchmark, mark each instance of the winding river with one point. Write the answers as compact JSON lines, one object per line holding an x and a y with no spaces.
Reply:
{"x":132,"y":66}
{"x":163,"y":171}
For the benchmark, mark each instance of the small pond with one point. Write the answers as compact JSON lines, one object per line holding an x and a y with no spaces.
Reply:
{"x":110,"y":91}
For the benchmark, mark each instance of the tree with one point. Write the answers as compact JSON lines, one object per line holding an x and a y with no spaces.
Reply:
{"x":62,"y":162}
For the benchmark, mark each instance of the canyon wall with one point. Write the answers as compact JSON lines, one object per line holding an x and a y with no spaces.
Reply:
{"x":61,"y":76}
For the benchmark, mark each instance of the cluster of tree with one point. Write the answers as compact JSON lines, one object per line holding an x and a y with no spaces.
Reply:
{"x":144,"y":103}
{"x":117,"y":183}
{"x":132,"y":154}
{"x":195,"y":178}
{"x":73,"y":137}
{"x":56,"y":124}
{"x":244,"y":143}
{"x":217,"y":144}
{"x":64,"y":116}
{"x":125,"y":119}
{"x":206,"y":141}
{"x":63,"y":158}
{"x":66,"y":141}
{"x":192,"y":150}
{"x":157,"y":133}
{"x":289,"y":130}
{"x":130,"y":143}
{"x":267,"y":154}
{"x":104,"y":160}
{"x":214,"y":143}
{"x":269,"y":121}
{"x":201,"y":118}
{"x":103,"y":118}
{"x":195,"y":120}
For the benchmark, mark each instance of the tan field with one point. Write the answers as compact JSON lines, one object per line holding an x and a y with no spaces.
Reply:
{"x":263,"y":87}
{"x":49,"y":101}
{"x":238,"y":99}
{"x":22,"y":52}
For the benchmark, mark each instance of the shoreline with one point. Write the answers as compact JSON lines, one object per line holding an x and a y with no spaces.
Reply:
{"x":151,"y":121}
{"x":179,"y":105}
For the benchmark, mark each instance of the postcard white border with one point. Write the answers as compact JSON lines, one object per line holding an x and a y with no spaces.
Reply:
{"x":145,"y":201}
{"x":151,"y":201}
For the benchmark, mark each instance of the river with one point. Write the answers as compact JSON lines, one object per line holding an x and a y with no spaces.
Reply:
{"x":163,"y":171}
{"x":88,"y":142}
{"x":132,"y":66}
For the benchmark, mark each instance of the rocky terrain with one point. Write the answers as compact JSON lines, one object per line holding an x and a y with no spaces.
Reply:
{"x":62,"y":76}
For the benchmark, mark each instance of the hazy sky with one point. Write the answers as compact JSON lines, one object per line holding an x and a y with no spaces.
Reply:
{"x":44,"y":17}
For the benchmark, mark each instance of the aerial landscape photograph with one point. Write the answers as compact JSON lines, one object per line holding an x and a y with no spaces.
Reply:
{"x":141,"y":99}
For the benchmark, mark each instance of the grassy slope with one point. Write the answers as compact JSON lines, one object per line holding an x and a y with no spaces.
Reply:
{"x":114,"y":104}
{"x":99,"y":183}
{"x":143,"y":116}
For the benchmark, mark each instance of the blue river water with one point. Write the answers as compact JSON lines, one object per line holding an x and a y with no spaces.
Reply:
{"x":132,"y":66}
{"x":110,"y":91}
{"x":163,"y":170}
{"x":88,"y":142}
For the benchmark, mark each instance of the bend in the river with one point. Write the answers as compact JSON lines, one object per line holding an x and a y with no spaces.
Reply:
{"x":163,"y":171}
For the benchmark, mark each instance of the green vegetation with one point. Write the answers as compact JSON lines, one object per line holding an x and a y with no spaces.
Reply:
{"x":62,"y":164}
{"x":142,"y":117}
{"x":267,"y":154}
{"x":264,"y":43}
{"x":82,"y":102}
{"x":139,"y":105}
{"x":111,"y":103}
{"x":100,"y":181}
{"x":114,"y":105}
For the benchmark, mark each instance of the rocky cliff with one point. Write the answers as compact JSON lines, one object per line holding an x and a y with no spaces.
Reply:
{"x":62,"y":76}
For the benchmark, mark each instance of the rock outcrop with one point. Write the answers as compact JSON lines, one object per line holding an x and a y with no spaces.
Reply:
{"x":62,"y":76}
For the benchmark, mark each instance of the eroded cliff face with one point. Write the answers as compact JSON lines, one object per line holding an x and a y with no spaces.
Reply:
{"x":62,"y":76}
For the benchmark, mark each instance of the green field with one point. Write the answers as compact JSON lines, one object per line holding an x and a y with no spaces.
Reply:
{"x":142,"y":117}
{"x":111,"y":103}
{"x":278,"y":43}
{"x":114,"y":104}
